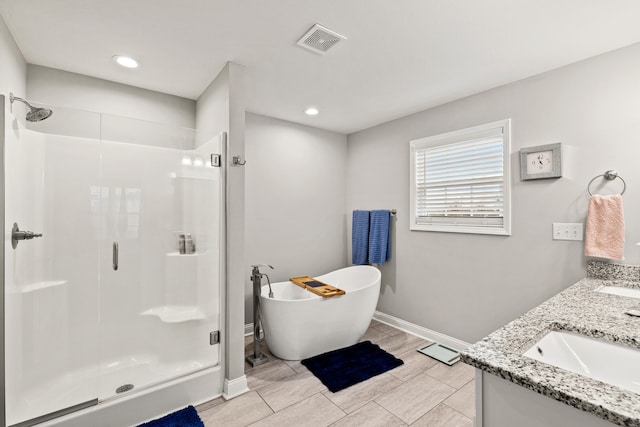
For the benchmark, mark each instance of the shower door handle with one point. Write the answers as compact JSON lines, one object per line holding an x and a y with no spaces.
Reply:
{"x":115,"y":255}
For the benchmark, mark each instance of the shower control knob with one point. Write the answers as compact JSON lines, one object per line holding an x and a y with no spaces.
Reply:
{"x":27,"y":235}
{"x":17,"y":235}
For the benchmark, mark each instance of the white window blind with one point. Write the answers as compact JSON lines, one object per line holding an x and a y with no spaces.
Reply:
{"x":460,"y":181}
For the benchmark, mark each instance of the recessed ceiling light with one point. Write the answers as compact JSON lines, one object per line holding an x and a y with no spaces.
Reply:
{"x":311,"y":111}
{"x":126,"y":61}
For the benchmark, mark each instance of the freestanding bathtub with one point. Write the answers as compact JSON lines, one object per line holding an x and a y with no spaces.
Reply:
{"x":299,"y":324}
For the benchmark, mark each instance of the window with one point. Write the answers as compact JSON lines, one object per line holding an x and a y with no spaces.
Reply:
{"x":460,"y":181}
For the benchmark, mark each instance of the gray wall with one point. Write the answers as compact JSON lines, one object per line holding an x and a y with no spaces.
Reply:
{"x":221,"y":108}
{"x":65,"y":89}
{"x":467,"y":285}
{"x":13,"y":66}
{"x":295,"y":200}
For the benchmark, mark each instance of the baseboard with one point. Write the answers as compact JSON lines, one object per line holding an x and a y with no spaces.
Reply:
{"x":248,"y":329}
{"x":405,"y":326}
{"x":417,"y":330}
{"x":234,"y":388}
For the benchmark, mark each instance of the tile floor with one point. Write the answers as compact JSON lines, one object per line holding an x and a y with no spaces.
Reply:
{"x":422,"y":392}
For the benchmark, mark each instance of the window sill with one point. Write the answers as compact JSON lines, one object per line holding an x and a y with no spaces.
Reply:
{"x":466,"y":230}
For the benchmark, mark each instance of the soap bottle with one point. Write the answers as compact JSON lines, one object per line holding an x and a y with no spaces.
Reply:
{"x":182,"y":248}
{"x":189,"y":244}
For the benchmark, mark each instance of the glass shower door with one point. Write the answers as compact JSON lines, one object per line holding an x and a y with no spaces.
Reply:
{"x":160,"y":299}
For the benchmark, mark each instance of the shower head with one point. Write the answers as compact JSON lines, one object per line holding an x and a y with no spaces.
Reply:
{"x":35,"y":114}
{"x":38,"y":114}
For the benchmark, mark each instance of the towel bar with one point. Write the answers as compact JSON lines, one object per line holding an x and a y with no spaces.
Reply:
{"x":609,"y":175}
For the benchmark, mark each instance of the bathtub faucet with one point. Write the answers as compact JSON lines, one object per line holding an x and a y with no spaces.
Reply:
{"x":257,"y":358}
{"x":256,"y":276}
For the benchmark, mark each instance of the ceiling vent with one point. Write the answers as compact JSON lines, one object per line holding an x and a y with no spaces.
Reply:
{"x":320,"y":39}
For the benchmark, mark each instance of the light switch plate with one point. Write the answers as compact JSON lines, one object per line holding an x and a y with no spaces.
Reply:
{"x":567,"y":231}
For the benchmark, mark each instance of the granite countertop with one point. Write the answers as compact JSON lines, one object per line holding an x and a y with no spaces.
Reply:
{"x":580,"y":310}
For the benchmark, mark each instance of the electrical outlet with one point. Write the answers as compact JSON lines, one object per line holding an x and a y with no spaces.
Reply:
{"x":567,"y":231}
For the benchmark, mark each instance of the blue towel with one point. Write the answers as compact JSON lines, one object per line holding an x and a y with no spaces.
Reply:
{"x":360,"y":237}
{"x":379,"y":242}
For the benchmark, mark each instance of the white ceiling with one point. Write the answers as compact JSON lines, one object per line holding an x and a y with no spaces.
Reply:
{"x":400,"y":57}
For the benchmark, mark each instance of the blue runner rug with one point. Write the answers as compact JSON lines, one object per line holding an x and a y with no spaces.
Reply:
{"x":187,"y":417}
{"x":342,"y":368}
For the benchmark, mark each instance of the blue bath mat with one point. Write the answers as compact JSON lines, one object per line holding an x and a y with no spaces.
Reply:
{"x":187,"y":417}
{"x":342,"y":368}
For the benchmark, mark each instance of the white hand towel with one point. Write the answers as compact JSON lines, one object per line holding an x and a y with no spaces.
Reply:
{"x":604,"y":234}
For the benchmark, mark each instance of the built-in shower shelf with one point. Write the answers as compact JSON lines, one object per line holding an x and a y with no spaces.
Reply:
{"x":32,"y":287}
{"x":197,"y":254}
{"x":176,"y":313}
{"x":194,"y":175}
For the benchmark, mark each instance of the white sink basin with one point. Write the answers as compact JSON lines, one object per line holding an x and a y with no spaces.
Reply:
{"x":601,"y":360}
{"x":619,"y":290}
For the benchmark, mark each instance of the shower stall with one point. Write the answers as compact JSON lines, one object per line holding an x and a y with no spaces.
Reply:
{"x":103,"y":301}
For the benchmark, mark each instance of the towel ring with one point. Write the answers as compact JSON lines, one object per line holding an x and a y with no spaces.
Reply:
{"x":610,"y":175}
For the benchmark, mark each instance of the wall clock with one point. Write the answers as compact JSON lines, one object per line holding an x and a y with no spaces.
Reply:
{"x":543,"y":161}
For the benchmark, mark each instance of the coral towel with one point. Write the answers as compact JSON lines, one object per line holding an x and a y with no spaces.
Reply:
{"x":604,"y":235}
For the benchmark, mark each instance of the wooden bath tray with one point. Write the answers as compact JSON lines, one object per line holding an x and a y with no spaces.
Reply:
{"x":317,"y":287}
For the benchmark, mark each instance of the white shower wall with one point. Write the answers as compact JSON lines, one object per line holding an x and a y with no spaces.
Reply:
{"x":51,"y":304}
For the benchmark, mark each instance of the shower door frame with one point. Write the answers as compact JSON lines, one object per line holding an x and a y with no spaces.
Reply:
{"x":3,"y":420}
